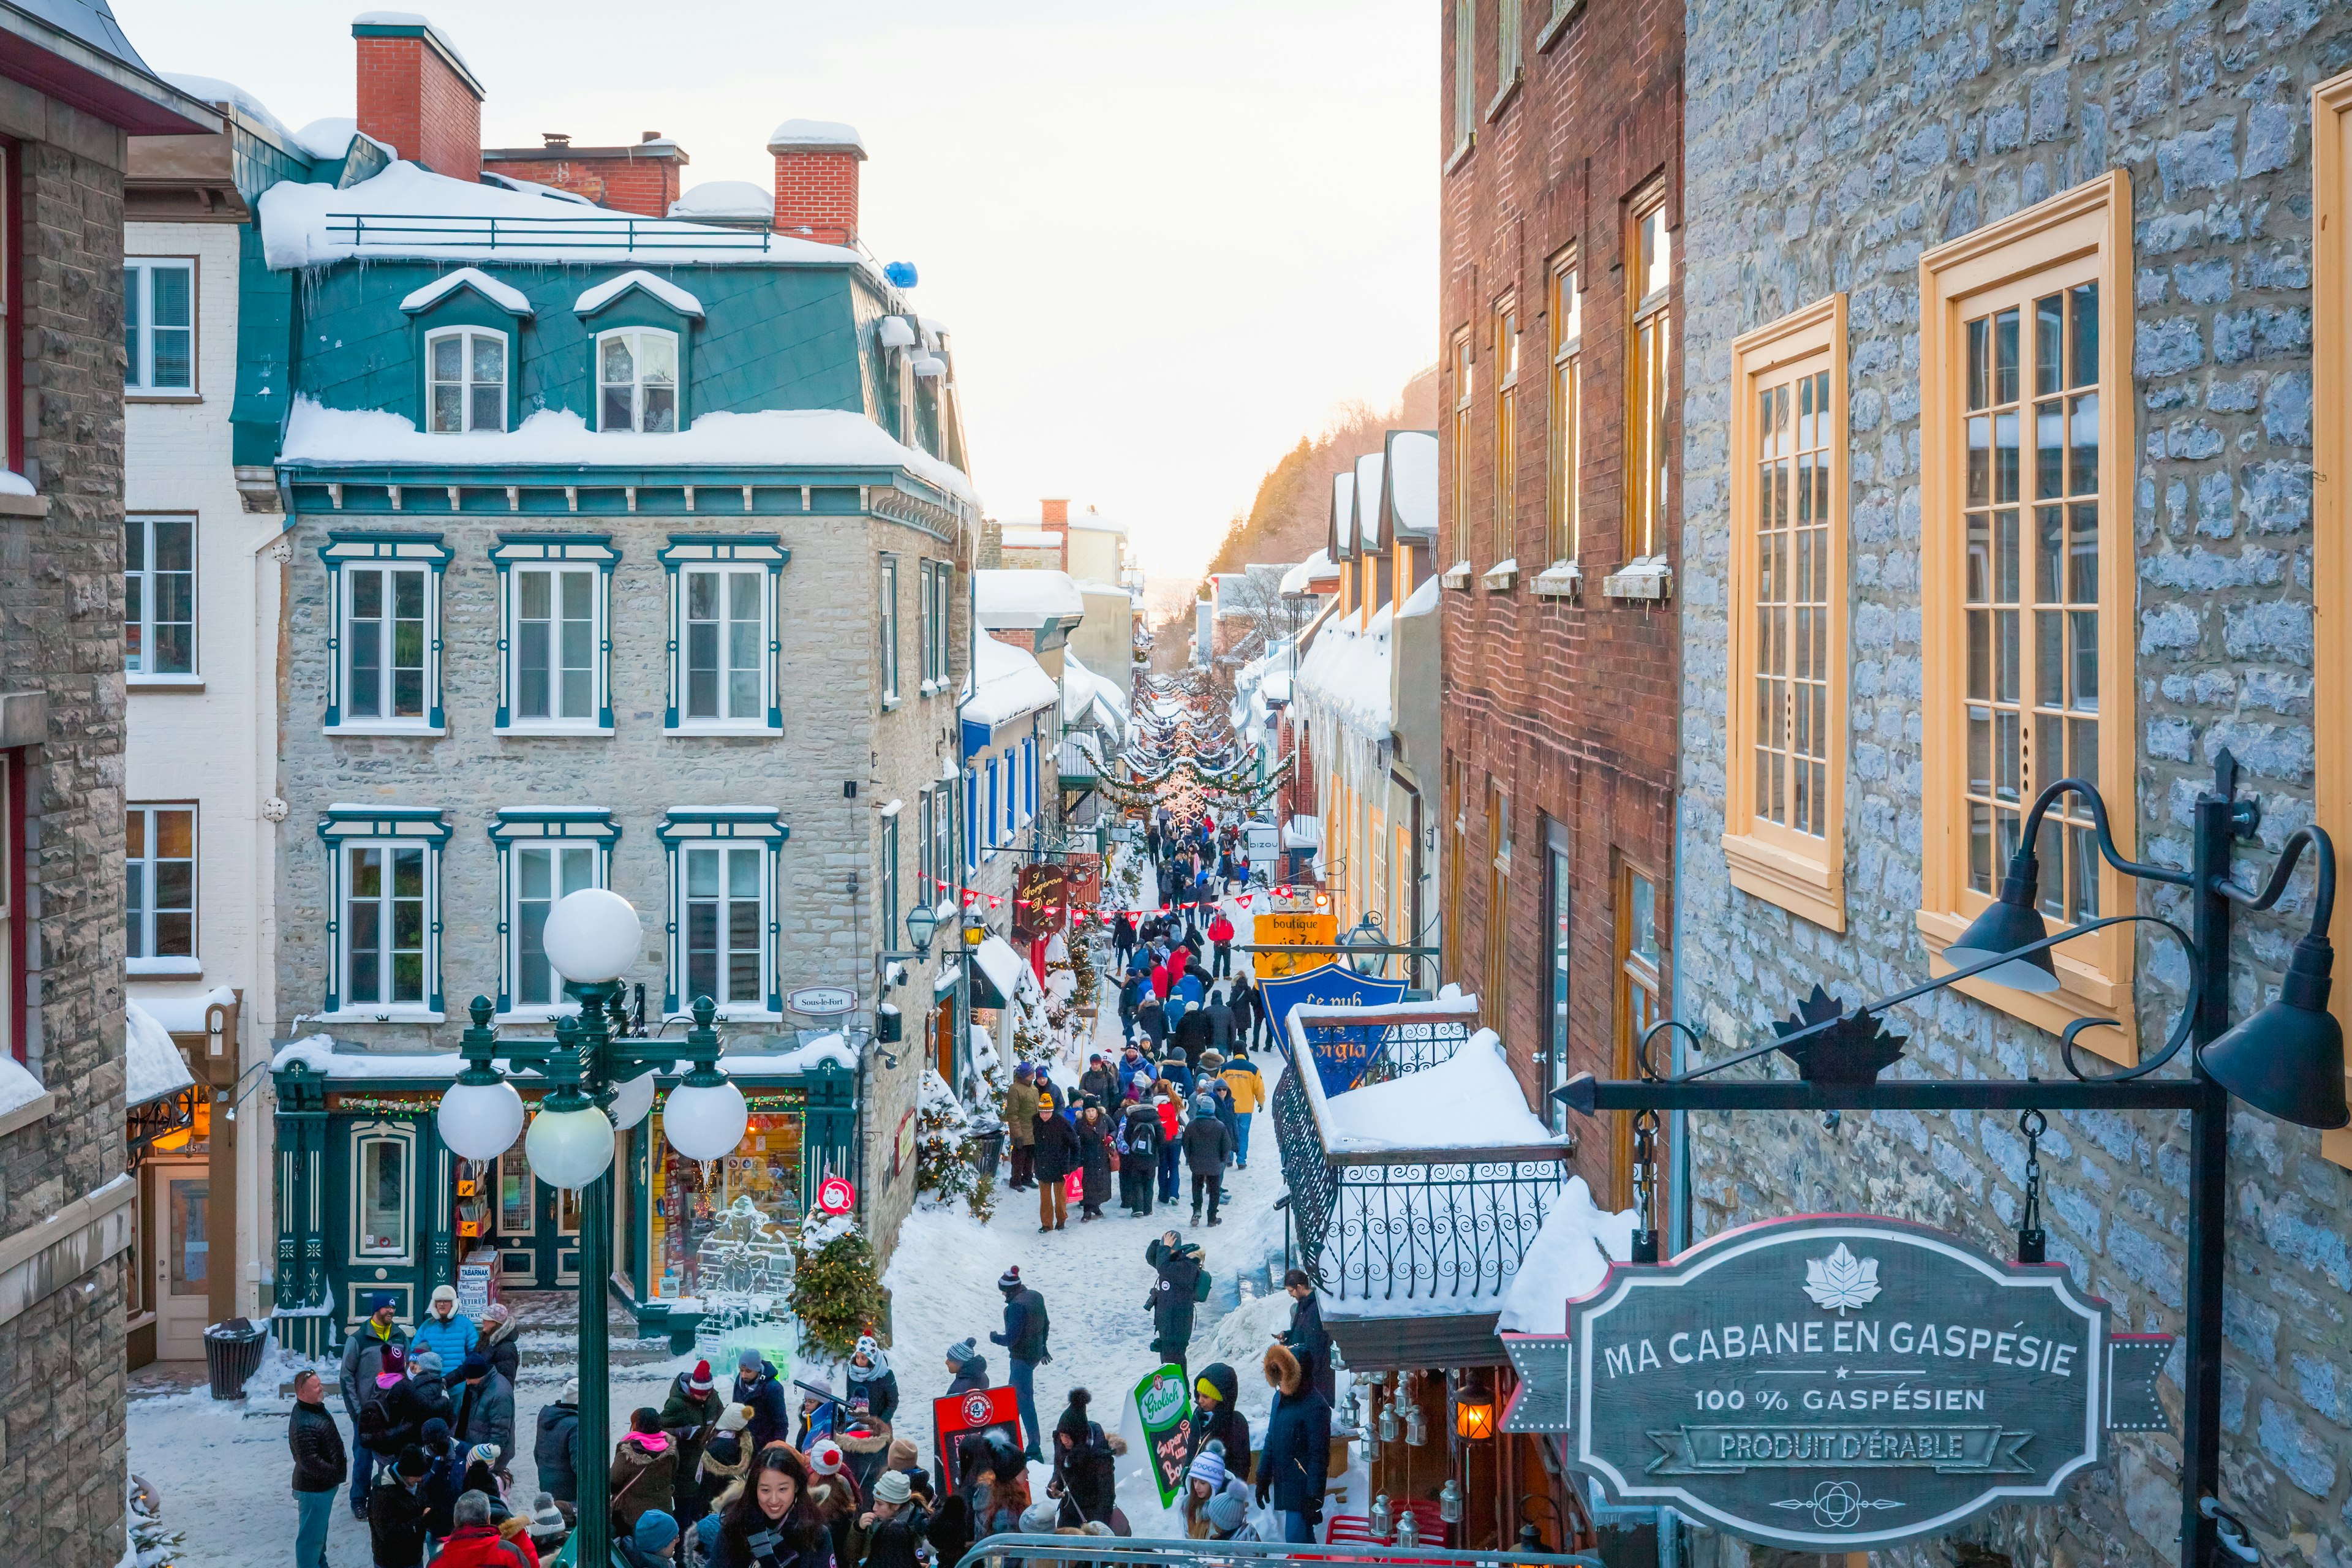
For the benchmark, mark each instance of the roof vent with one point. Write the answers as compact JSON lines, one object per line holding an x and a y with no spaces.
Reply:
{"x":556,"y":138}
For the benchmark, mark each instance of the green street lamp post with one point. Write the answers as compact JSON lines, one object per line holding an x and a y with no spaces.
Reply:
{"x":599,"y":1084}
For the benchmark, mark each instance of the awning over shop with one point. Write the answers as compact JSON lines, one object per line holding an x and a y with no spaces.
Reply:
{"x":996,"y":974}
{"x":1386,"y":1336}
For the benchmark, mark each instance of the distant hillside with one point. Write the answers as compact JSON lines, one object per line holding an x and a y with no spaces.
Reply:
{"x":1292,"y":510}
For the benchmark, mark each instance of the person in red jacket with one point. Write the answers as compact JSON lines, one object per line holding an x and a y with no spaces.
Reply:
{"x":1160,"y":980}
{"x":477,"y":1543}
{"x":1221,"y":931}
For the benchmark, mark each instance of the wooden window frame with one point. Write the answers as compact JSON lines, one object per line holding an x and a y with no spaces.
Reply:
{"x":1463,"y":369}
{"x":1802,"y":873}
{"x":1564,"y":411}
{"x":2080,"y":234}
{"x":636,"y":384}
{"x":1646,"y":500}
{"x":1466,"y":75}
{"x":1507,"y":430}
{"x":466,"y":337}
{"x":1496,"y":959}
{"x":1630,"y":973}
{"x":2331,"y":310}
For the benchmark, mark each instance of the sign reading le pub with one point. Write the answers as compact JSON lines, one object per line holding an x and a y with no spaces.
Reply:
{"x":1836,"y":1383}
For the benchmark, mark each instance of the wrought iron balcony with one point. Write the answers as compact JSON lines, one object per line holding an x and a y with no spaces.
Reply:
{"x":1415,"y":1229}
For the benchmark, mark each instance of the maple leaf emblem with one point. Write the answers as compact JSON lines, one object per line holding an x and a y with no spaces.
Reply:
{"x":1841,"y":1280}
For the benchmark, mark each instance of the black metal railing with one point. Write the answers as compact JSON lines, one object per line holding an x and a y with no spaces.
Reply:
{"x":1414,"y":1047}
{"x":1406,"y":1225}
{"x":617,"y":232}
{"x":1047,"y":1551}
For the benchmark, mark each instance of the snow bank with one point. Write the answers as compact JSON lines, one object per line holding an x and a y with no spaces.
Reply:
{"x":505,"y":296}
{"x":309,"y":225}
{"x":1570,"y":1258}
{"x":661,"y":288}
{"x":725,"y":199}
{"x":1012,"y":684}
{"x":317,"y":436}
{"x":1471,"y":1100}
{"x":1024,"y":600}
{"x":152,"y":1067}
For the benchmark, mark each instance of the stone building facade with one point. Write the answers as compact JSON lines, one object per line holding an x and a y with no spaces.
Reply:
{"x":65,"y":1198}
{"x":1561,"y":371}
{"x":1849,"y":170}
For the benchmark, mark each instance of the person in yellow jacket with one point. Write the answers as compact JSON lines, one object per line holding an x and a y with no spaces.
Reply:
{"x":1241,"y":1075}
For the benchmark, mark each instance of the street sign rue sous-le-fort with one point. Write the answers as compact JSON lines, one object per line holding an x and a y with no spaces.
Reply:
{"x":1835,"y":1383}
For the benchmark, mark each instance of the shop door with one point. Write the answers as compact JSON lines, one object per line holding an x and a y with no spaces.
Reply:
{"x":183,"y":1261}
{"x":943,"y":1053}
{"x":538,"y":1228}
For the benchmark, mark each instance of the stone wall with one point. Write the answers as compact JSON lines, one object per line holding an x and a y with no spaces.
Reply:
{"x":62,"y":1376}
{"x":1827,"y":145}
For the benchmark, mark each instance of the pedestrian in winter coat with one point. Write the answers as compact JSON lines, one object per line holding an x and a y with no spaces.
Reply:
{"x":475,"y":1543}
{"x":726,"y":1460}
{"x":1208,"y":1142}
{"x":446,"y":1332}
{"x":1193,"y":1035}
{"x":1192,"y":988}
{"x":320,"y":1466}
{"x":445,"y":1478}
{"x":1221,"y":935}
{"x":1295,"y":1465}
{"x":498,"y":1343}
{"x":1152,"y":1017}
{"x":363,"y":1360}
{"x":889,"y":1533}
{"x":1177,"y":1072}
{"x":756,"y":1386}
{"x":1095,"y":1161}
{"x":1020,"y":1125}
{"x":1217,"y":1417}
{"x":1026,"y":1326}
{"x":1219,"y":1015}
{"x":1179,"y":1288}
{"x":690,"y":1416}
{"x":773,"y":1524}
{"x":1122,"y":938}
{"x":652,"y":1544}
{"x":968,"y":1367}
{"x":1098,"y":1083}
{"x":396,"y":1513}
{"x":405,"y":1400}
{"x":1056,"y":1156}
{"x":1223,"y":1095}
{"x":556,"y":1451}
{"x":1228,"y":1516}
{"x":1247,"y":1087}
{"x":1247,"y":1004}
{"x":1084,"y":1476}
{"x":1139,"y":1157}
{"x":1160,"y":980}
{"x":645,"y":1470}
{"x":483,"y":1403}
{"x":1306,"y":1338}
{"x":864,"y":1444}
{"x":1171,"y":1134}
{"x":873,"y":1386}
{"x":1205,"y":1482}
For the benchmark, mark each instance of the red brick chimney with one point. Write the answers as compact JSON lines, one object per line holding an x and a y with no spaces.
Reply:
{"x":816,"y":179}
{"x":415,"y":93}
{"x":1054,"y":516}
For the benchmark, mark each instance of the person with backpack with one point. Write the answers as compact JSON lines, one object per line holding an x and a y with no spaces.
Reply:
{"x":1182,"y":1283}
{"x":363,"y":1360}
{"x":1139,"y":1154}
{"x":1024,"y":1338}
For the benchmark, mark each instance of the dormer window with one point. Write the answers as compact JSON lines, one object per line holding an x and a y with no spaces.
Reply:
{"x":637,"y":380}
{"x":467,"y":374}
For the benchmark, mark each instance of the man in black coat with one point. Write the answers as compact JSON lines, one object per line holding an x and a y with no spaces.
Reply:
{"x":1208,"y":1144}
{"x":1193,"y":1035}
{"x":1026,"y":1327}
{"x":1295,"y":1465}
{"x":756,"y":1386}
{"x":556,"y":1450}
{"x":1306,"y":1338}
{"x":316,"y":1444}
{"x":968,"y":1369}
{"x":395,"y":1511}
{"x":1085,"y":1476}
{"x":1174,"y":1294}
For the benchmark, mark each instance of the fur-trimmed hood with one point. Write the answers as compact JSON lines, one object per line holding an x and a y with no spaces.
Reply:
{"x":874,"y":1440}
{"x":1282,"y":1371}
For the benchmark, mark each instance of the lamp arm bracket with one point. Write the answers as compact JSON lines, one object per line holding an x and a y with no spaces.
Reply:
{"x":1641,"y":1053}
{"x":2182,"y":1025}
{"x":2313,"y":837}
{"x":2097,"y":806}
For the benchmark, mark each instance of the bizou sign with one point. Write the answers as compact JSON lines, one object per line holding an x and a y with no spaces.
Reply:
{"x":1836,"y":1383}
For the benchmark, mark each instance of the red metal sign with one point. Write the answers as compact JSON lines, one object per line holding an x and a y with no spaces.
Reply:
{"x":835,"y":1195}
{"x":982,"y":1412}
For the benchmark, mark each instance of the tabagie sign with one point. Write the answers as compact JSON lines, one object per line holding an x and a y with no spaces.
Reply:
{"x":1834,"y":1384}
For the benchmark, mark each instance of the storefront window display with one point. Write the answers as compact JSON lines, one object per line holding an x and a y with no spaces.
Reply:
{"x":727,"y":1225}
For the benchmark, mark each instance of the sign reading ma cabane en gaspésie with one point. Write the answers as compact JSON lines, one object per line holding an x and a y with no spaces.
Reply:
{"x":1837,"y":1383}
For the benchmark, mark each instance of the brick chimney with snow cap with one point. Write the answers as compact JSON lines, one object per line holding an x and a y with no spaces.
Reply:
{"x":416,"y":93}
{"x":1054,"y":518}
{"x":816,"y":179}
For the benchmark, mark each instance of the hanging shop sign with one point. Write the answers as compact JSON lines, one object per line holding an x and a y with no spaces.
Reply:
{"x":979,"y":1412}
{"x":1163,"y":1407}
{"x":823,"y":1001}
{"x":1340,"y":1051}
{"x":1293,"y":930}
{"x":1836,"y":1383}
{"x":1041,"y":901}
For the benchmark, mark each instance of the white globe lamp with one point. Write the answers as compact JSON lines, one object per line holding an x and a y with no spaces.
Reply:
{"x":569,"y":1148}
{"x":631,"y":1100}
{"x":592,"y":936}
{"x":480,"y":1121}
{"x":704,"y":1117}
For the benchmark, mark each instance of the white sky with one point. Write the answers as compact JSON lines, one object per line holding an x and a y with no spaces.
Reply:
{"x":1168,"y":240}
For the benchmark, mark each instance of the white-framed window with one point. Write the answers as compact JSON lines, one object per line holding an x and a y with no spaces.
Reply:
{"x":637,"y":380}
{"x":159,"y":325}
{"x":726,"y":642}
{"x":386,"y":919}
{"x":466,"y":380}
{"x":1466,"y":71}
{"x":723,"y":897}
{"x":971,"y":821}
{"x":543,"y":873}
{"x":387,"y":616}
{"x":887,"y":618}
{"x":995,"y":804}
{"x":556,"y":641}
{"x":939,"y":583}
{"x":159,"y":894}
{"x":891,"y":935}
{"x":924,"y":628}
{"x":159,"y":596}
{"x":11,"y":860}
{"x":382,"y":1191}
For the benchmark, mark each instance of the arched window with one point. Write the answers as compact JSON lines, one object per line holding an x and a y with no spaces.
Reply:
{"x":637,"y":380}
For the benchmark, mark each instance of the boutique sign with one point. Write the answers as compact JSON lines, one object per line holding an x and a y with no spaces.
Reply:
{"x":1836,"y":1384}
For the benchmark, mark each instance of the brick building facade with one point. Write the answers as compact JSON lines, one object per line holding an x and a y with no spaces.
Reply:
{"x":2147,"y":177}
{"x":1563,"y":161}
{"x":415,"y":94}
{"x":74,"y":97}
{"x":643,"y":177}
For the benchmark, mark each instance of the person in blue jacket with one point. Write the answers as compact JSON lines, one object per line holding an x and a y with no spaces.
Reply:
{"x":446,"y":1332}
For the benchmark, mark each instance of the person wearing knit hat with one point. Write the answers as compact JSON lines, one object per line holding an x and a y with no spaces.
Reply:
{"x":824,"y":1457}
{"x":652,"y":1544}
{"x":1038,"y":1517}
{"x":968,"y":1368}
{"x":893,"y":1488}
{"x":890,"y":1532}
{"x":1207,"y":1481}
{"x":873,"y":1386}
{"x":904,"y":1456}
{"x":690,"y":1415}
{"x":1228,"y":1514}
{"x":1024,"y":1338}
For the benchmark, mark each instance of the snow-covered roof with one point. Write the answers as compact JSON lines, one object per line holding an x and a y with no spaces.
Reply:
{"x":1301,"y":578}
{"x":815,"y":134}
{"x":1094,"y":521}
{"x":1018,"y":599}
{"x":505,"y":296}
{"x":680,"y":300}
{"x":725,"y":199}
{"x":152,"y":1065}
{"x":929,"y":366}
{"x":1343,"y":515}
{"x":1013,"y":684}
{"x":1412,"y":481}
{"x":1470,"y":1100}
{"x":317,"y":436}
{"x":424,"y":213}
{"x":534,"y":188}
{"x":211,"y":89}
{"x":1368,"y":501}
{"x":895,"y":332}
{"x":186,"y":1015}
{"x":1087,"y":698}
{"x":1002,"y":966}
{"x":329,"y":136}
{"x":767,"y":1055}
{"x":1345,"y":675}
{"x":1569,"y":1258}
